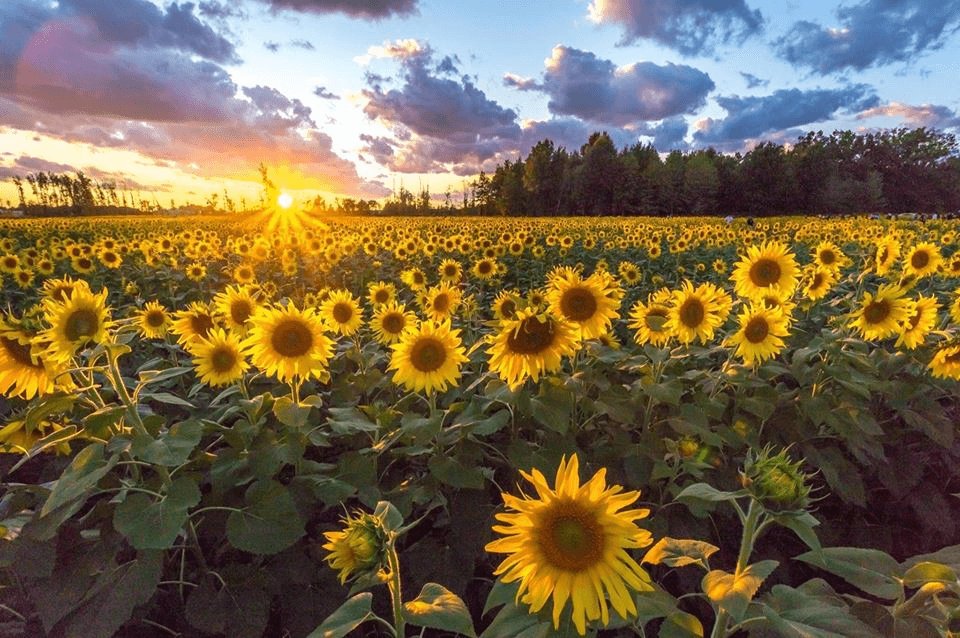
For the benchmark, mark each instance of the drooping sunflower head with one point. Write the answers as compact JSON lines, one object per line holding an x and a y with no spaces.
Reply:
{"x":887,"y":252}
{"x":80,"y":320}
{"x":390,"y":321}
{"x":530,"y":345}
{"x":946,"y":362}
{"x":428,"y":358}
{"x":218,"y":358}
{"x":288,"y":343}
{"x":341,"y":312}
{"x":765,"y":266}
{"x":570,"y":544}
{"x":359,"y":548}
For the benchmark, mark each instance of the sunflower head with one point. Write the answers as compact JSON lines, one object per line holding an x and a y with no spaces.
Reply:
{"x":775,"y":481}
{"x":359,"y":548}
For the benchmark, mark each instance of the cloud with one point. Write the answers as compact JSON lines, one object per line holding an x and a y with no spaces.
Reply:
{"x":871,"y":33}
{"x":752,"y":117}
{"x":753,"y":81}
{"x":322,"y":93}
{"x":399,"y":50}
{"x":362,"y":9}
{"x":306,"y":45}
{"x":579,"y":83}
{"x":271,"y":46}
{"x":26,"y":164}
{"x":690,"y":27}
{"x":925,"y":115}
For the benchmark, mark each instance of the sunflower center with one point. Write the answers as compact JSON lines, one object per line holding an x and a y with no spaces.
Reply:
{"x":381,"y":296}
{"x":532,"y":336}
{"x":756,"y":330}
{"x":508,"y":308}
{"x":692,"y":313}
{"x":342,"y":312}
{"x":201,"y":324}
{"x":877,"y":311}
{"x":240,"y":311}
{"x":18,"y":352}
{"x":450,"y":271}
{"x":952,"y":359}
{"x":827,"y":257}
{"x":884,"y":253}
{"x":155,"y":318}
{"x":915,"y":318}
{"x":291,"y":339}
{"x":223,"y":359}
{"x":919,"y":259}
{"x":441,"y":303}
{"x":393,"y":323}
{"x":81,"y":324}
{"x":570,"y":537}
{"x":817,"y":281}
{"x":484,"y":267}
{"x":427,"y":354}
{"x":765,"y":272}
{"x":578,"y":304}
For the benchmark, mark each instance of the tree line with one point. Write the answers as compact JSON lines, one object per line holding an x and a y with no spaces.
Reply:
{"x":892,"y":172}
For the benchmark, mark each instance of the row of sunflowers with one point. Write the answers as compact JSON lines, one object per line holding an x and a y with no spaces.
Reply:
{"x":229,"y":403}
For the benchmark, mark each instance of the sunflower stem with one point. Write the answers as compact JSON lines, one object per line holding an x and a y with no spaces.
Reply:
{"x":751,"y":529}
{"x":393,"y":562}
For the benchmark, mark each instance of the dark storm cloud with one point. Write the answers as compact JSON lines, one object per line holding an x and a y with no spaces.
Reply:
{"x":869,"y":34}
{"x":753,"y":81}
{"x":362,"y":9}
{"x":752,"y":117}
{"x":579,"y":83}
{"x":689,"y":26}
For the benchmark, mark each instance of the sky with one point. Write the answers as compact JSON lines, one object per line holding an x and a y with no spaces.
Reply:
{"x":356,"y":98}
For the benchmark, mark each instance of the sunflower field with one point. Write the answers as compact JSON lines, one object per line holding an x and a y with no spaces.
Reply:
{"x":479,"y":427}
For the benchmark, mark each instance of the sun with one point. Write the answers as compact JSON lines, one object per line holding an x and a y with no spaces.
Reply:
{"x":284,"y":200}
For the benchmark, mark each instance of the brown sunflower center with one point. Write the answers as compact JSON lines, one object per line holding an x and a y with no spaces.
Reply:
{"x":201,"y":324}
{"x":817,"y":281}
{"x":952,"y":358}
{"x":393,"y":323}
{"x":155,"y":318}
{"x":427,"y":354}
{"x":578,"y":304}
{"x":381,"y":296}
{"x":876,"y":311}
{"x":884,"y":253}
{"x":692,"y":313}
{"x":342,"y":312}
{"x":570,"y":536}
{"x":441,"y":303}
{"x":240,"y":311}
{"x":919,"y":259}
{"x":532,"y":336}
{"x":81,"y":324}
{"x":756,"y":330}
{"x":765,"y":272}
{"x":223,"y":359}
{"x":508,"y":308}
{"x":915,"y":318}
{"x":449,"y":270}
{"x":484,"y":267}
{"x":18,"y":352}
{"x":291,"y":338}
{"x":827,"y":257}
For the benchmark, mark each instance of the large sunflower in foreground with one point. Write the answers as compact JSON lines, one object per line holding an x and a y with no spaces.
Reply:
{"x":531,"y":344}
{"x":288,"y":343}
{"x":590,"y":303}
{"x":765,"y":266}
{"x":22,"y":372}
{"x":696,"y":313}
{"x":428,"y":358}
{"x":761,"y":333}
{"x":219,"y":358}
{"x":571,"y":543}
{"x":80,"y":320}
{"x":882,"y":315}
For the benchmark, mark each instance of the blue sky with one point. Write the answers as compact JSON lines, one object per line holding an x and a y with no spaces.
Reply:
{"x":354,"y":97}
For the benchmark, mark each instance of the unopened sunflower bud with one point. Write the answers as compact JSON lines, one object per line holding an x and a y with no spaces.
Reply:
{"x":776,"y":482}
{"x":359,"y":549}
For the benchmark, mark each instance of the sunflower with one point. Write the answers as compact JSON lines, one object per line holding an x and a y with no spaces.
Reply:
{"x":765,"y":266}
{"x":571,"y":543}
{"x":428,"y":357}
{"x":81,"y":319}
{"x":505,"y":305}
{"x":243,"y":274}
{"x":15,"y":439}
{"x":9,"y":263}
{"x":153,"y":321}
{"x":923,"y":316}
{"x":288,"y":343}
{"x":196,"y":272}
{"x":342,"y":313}
{"x":827,"y":255}
{"x":390,"y":321}
{"x":590,"y":303}
{"x":955,"y":307}
{"x":946,"y":363}
{"x":888,"y":250}
{"x":82,"y":264}
{"x":696,"y":313}
{"x":882,"y":315}
{"x":109,"y":258}
{"x":440,"y":302}
{"x":450,"y":271}
{"x":380,"y":293}
{"x":23,"y":277}
{"x":194,"y":323}
{"x":484,"y":268}
{"x":414,"y":278}
{"x":531,"y":344}
{"x":23,"y":373}
{"x":818,"y":281}
{"x":235,"y":305}
{"x":219,"y":358}
{"x":650,"y":319}
{"x":922,"y":260}
{"x":761,"y":333}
